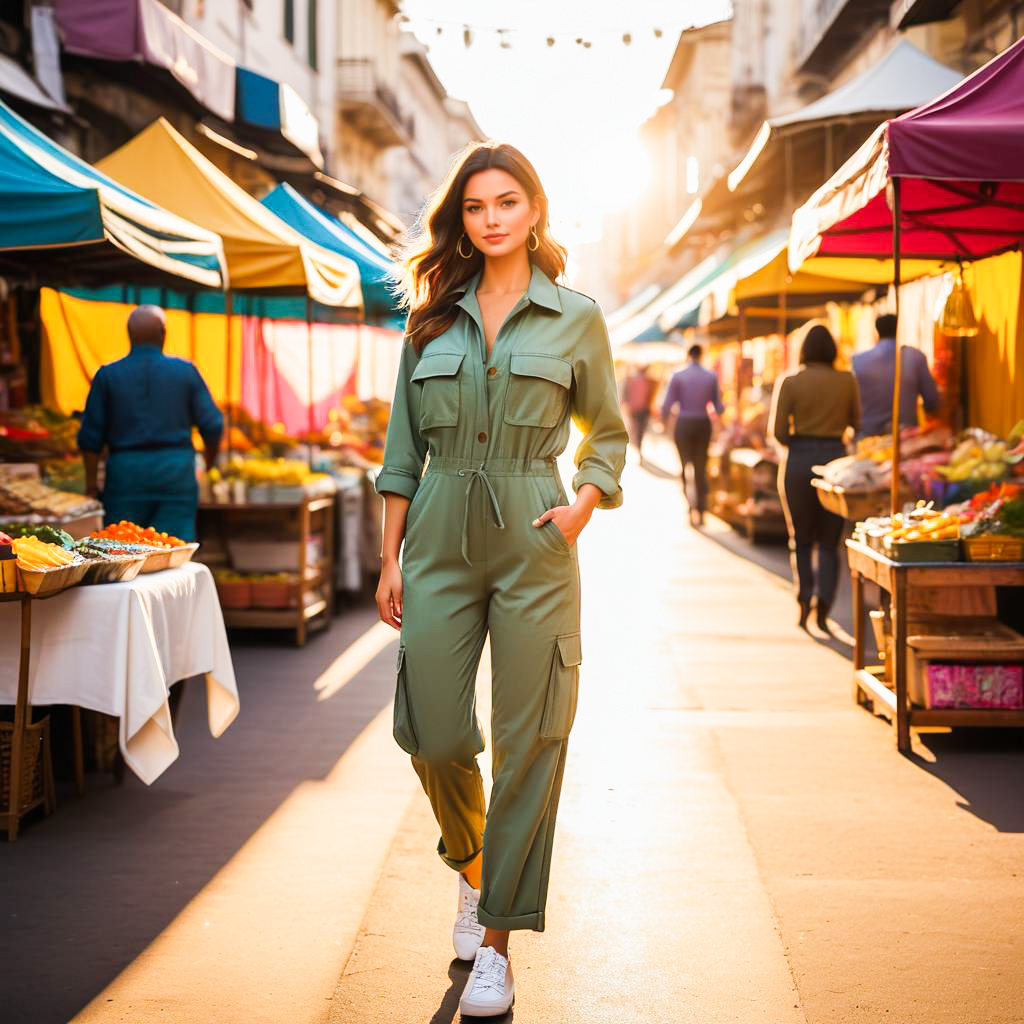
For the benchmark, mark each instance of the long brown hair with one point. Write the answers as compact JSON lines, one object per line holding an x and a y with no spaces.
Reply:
{"x":433,"y":269}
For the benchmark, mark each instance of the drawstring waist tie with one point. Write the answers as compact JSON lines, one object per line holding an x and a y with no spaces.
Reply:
{"x":483,"y":471}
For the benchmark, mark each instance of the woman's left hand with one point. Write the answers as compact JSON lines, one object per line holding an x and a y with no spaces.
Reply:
{"x":570,"y":520}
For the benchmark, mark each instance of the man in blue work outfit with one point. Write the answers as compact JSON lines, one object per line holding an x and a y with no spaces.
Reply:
{"x":142,"y":409}
{"x":874,"y":372}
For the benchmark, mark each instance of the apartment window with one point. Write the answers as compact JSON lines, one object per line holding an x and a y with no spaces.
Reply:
{"x":289,"y":20}
{"x":692,"y":175}
{"x":311,"y":20}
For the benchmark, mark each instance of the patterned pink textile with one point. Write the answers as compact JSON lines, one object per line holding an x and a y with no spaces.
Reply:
{"x":975,"y":686}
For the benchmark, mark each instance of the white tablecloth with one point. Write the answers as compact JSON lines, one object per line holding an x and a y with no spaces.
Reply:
{"x":118,"y":647}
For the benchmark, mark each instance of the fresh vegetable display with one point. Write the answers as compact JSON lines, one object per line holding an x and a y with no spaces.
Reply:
{"x":132,"y":534}
{"x":35,"y":554}
{"x":1000,"y":510}
{"x":102,"y":549}
{"x":49,"y":534}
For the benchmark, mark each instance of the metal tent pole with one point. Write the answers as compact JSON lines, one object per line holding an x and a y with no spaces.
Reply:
{"x":894,"y":493}
{"x":309,"y":347}
{"x":229,"y":304}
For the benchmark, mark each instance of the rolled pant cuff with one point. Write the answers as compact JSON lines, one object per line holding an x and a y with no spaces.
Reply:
{"x":524,"y":922}
{"x":455,"y":865}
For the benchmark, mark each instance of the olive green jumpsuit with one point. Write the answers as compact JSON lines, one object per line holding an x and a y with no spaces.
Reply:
{"x":474,"y":564}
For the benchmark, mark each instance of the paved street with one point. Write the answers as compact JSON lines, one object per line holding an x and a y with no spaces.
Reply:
{"x":738,"y":842}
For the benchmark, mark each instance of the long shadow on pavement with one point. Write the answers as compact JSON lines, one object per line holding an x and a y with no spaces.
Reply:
{"x":86,"y":891}
{"x":986,"y":767}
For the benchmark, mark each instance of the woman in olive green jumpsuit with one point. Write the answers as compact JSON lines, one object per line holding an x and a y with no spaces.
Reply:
{"x":489,"y":535}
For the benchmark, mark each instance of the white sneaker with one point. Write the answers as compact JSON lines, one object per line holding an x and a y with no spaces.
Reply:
{"x":468,"y":932}
{"x":490,"y":991}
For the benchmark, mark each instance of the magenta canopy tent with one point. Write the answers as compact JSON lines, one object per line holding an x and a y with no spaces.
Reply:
{"x":942,"y":183}
{"x":954,"y":166}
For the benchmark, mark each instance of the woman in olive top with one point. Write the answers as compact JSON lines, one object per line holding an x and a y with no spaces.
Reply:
{"x":498,"y":359}
{"x":812,"y":408}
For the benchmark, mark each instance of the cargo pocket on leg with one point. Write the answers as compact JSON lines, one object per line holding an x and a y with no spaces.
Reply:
{"x":404,"y":731}
{"x":563,"y":688}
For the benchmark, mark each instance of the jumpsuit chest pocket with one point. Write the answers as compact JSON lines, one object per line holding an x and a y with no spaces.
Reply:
{"x":437,"y":374}
{"x":563,"y":688}
{"x":538,"y":390}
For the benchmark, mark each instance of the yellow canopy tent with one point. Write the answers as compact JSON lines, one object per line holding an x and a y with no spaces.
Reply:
{"x":262,"y":251}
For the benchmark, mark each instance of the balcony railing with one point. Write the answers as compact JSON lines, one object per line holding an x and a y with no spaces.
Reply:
{"x":372,"y":103}
{"x":831,"y":27}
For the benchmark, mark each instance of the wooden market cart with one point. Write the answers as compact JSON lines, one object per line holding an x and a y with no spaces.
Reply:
{"x":899,"y":580}
{"x":744,"y":493}
{"x":300,"y":521}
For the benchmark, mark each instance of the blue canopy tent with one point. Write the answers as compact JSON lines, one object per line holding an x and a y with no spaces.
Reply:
{"x":64,"y":222}
{"x":376,"y":272}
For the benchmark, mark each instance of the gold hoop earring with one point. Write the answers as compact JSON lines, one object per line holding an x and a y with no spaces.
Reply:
{"x":458,"y":248}
{"x":535,"y":239}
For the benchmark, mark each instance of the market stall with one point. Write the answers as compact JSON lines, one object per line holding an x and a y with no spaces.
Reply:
{"x":277,"y":509}
{"x":269,"y":534}
{"x":940,"y":185}
{"x":108,"y":623}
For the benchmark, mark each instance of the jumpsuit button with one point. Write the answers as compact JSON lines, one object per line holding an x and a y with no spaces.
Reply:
{"x":492,"y":372}
{"x":481,"y":437}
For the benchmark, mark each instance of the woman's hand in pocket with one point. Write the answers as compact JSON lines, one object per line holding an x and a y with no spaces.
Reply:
{"x":570,"y":520}
{"x":389,"y":596}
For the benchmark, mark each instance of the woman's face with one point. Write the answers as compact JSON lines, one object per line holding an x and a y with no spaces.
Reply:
{"x":496,"y":213}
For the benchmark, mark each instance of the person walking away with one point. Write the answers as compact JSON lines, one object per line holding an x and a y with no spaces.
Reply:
{"x":141,"y":411}
{"x":690,"y":393}
{"x":638,"y":393}
{"x":874,"y":370}
{"x":498,"y":360}
{"x":812,"y":408}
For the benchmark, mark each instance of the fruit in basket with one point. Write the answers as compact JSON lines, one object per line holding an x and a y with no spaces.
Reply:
{"x":924,"y":523}
{"x":33,"y":553}
{"x":132,"y":534}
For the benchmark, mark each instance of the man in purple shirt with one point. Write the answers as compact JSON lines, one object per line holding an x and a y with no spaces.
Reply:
{"x":690,"y":392}
{"x":874,"y":372}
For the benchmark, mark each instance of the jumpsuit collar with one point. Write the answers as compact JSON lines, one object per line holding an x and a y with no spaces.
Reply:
{"x":541,"y":291}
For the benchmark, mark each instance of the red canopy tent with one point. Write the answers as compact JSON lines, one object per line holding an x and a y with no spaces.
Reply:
{"x":943,"y":183}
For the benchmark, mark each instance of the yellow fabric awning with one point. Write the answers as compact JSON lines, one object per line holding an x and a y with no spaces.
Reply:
{"x":774,"y":278}
{"x":825,"y":275}
{"x":80,"y":336}
{"x":262,"y":251}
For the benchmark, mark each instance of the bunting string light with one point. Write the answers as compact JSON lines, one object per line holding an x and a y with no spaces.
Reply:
{"x":507,"y":36}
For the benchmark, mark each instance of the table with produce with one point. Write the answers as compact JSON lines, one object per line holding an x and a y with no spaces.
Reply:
{"x":934,"y":465}
{"x":267,"y":528}
{"x":113,"y":621}
{"x":949,"y":658}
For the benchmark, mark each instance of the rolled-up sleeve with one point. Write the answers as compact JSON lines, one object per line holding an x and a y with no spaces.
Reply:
{"x":595,"y":410}
{"x":405,"y":451}
{"x":92,"y":435}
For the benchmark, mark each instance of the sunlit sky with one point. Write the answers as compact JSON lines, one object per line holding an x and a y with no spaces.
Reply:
{"x":573,"y":110}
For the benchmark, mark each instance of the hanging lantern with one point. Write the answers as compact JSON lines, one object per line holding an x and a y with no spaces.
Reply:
{"x":551,"y":40}
{"x":958,"y":319}
{"x":467,"y":36}
{"x":627,"y":38}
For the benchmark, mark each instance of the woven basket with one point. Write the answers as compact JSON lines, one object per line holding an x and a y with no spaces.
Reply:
{"x":34,"y":764}
{"x":994,"y":547}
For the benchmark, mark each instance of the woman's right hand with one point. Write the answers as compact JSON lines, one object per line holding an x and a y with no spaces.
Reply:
{"x":389,"y":594}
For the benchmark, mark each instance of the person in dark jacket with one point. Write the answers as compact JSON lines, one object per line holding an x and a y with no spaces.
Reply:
{"x":812,"y":408}
{"x":141,"y":411}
